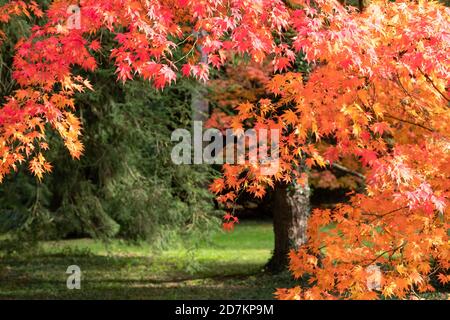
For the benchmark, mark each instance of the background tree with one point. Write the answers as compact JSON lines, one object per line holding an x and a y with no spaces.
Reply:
{"x":125,"y":184}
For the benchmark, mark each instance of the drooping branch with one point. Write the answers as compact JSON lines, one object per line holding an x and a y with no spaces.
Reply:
{"x":409,"y":122}
{"x":391,"y":251}
{"x":434,"y":85}
{"x":346,"y":170}
{"x":379,"y":216}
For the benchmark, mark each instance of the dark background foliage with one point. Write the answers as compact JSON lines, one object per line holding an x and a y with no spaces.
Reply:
{"x":125,"y":184}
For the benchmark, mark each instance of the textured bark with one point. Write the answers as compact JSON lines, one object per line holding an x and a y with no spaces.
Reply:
{"x":362,"y":4}
{"x":199,"y":103}
{"x":291,"y":209}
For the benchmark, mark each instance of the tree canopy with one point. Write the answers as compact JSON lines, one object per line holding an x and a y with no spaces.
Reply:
{"x":377,"y":92}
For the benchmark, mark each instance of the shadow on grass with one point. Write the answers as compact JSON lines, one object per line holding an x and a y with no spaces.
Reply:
{"x":111,"y":277}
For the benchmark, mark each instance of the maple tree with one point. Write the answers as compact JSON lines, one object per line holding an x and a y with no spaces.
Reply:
{"x":377,"y":92}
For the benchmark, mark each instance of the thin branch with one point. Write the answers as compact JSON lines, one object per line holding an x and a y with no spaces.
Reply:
{"x":410,"y":122}
{"x":189,"y":52}
{"x":342,"y":168}
{"x":434,"y":85}
{"x":399,"y":82}
{"x":392,"y":251}
{"x":378,"y":216}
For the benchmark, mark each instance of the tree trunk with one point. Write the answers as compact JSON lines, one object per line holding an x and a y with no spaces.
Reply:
{"x":362,"y":4}
{"x":291,"y":208}
{"x":199,"y":104}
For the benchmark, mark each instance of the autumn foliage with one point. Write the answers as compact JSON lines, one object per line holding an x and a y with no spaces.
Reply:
{"x":377,"y":93}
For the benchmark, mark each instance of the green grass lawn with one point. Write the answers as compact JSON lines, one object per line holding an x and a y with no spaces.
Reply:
{"x":227,"y":267}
